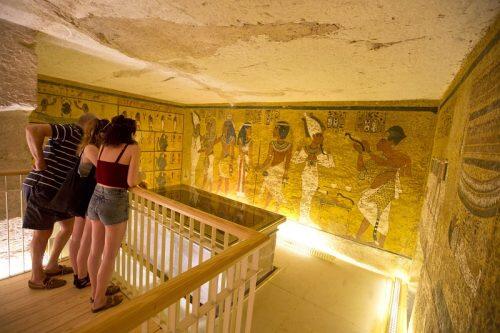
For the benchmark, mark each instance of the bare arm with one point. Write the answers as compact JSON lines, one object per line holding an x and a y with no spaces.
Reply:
{"x":90,"y":153}
{"x":35,"y":134}
{"x":133,"y":178}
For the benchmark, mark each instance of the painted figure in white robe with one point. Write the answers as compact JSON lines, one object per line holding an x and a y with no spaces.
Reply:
{"x":375,"y":202}
{"x":195,"y":146}
{"x":312,"y":155}
{"x":275,"y":167}
{"x":245,"y":144}
{"x":228,"y":141}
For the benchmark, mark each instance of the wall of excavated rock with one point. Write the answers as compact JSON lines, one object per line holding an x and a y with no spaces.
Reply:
{"x":324,"y":189}
{"x":459,"y":234}
{"x":160,"y":125}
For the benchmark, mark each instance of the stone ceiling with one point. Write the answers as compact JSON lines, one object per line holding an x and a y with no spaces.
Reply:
{"x":222,"y":51}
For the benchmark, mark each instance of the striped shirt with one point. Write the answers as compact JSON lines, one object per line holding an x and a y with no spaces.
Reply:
{"x":60,"y":156}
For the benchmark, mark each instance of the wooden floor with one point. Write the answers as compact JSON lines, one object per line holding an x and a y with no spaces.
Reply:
{"x":58,"y":310}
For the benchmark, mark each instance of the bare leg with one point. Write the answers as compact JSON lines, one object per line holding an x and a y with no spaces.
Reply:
{"x":94,"y":261}
{"x":362,"y":228}
{"x":38,"y":245}
{"x":113,"y":238}
{"x":84,"y":250}
{"x":59,"y":242}
{"x":74,"y":243}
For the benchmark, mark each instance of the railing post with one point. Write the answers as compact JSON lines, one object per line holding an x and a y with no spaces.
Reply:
{"x":254,"y":265}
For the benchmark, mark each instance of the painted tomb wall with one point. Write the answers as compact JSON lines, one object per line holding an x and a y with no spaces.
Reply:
{"x":347,"y":172}
{"x":159,"y":125}
{"x":458,"y":290}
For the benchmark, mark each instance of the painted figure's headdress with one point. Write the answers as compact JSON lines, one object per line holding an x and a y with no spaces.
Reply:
{"x":196,"y":119}
{"x":242,"y":134}
{"x":313,"y":125}
{"x":283,"y":128}
{"x":231,"y":132}
{"x":396,"y":134}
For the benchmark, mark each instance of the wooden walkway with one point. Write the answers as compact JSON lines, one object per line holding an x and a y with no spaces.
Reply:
{"x":58,"y":310}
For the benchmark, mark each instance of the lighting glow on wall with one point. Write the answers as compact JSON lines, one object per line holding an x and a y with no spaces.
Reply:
{"x":393,"y":318}
{"x":309,"y":240}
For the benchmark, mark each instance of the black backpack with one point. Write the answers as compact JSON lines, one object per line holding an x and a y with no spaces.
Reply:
{"x":66,"y":199}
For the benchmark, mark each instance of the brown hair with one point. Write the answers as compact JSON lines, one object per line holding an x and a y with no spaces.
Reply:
{"x":93,"y":133}
{"x":120,"y":130}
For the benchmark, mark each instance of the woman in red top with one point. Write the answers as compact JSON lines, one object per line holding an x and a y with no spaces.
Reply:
{"x":117,"y":170}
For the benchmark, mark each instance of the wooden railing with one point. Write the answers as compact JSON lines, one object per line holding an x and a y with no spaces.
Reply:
{"x":184,"y":270}
{"x":14,"y":241}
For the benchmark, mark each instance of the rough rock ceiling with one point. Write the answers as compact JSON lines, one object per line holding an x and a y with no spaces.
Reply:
{"x":222,"y":51}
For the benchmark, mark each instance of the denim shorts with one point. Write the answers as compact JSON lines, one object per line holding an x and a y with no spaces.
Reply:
{"x":108,"y":205}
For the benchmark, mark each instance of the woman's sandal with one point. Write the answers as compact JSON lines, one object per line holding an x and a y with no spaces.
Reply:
{"x":48,"y":283}
{"x":112,"y":289}
{"x":110,"y":302}
{"x":61,"y":270}
{"x":82,"y":283}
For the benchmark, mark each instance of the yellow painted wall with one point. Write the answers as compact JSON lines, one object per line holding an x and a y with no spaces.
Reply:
{"x":331,"y":212}
{"x":458,"y":290}
{"x":160,"y":125}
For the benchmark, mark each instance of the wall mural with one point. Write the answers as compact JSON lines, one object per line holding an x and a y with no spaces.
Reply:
{"x":160,"y":126}
{"x":359,"y":174}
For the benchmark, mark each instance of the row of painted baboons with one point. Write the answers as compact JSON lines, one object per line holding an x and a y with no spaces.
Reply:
{"x":236,"y":156}
{"x":144,"y":120}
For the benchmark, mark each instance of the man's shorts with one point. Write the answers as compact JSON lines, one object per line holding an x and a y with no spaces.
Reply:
{"x":36,"y":215}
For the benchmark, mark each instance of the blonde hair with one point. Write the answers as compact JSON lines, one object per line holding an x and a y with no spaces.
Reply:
{"x":92,"y":133}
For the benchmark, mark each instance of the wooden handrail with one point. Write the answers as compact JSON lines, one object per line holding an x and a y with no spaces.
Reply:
{"x":131,"y":314}
{"x":233,"y":228}
{"x":14,"y":172}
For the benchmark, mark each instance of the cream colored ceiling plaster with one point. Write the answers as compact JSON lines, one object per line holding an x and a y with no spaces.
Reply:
{"x":257,"y":51}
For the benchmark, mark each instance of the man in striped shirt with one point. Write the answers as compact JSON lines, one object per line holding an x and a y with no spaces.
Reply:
{"x":51,"y":166}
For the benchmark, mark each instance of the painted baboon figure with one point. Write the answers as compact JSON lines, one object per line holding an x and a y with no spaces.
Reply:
{"x":375,"y":202}
{"x":65,"y":109}
{"x":44,"y":103}
{"x":84,"y":107}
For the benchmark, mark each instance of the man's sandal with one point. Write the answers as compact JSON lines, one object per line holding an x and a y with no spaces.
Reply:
{"x":61,"y":270}
{"x":110,"y":291}
{"x":110,"y":302}
{"x":48,"y":283}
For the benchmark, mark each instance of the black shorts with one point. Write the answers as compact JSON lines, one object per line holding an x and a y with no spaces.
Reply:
{"x":36,"y":215}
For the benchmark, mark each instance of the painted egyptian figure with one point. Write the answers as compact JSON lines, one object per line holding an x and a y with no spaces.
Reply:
{"x":245,"y":144}
{"x":375,"y":202}
{"x":276,"y":165}
{"x":207,"y":146}
{"x":195,"y":146}
{"x":311,"y":154}
{"x":228,"y":141}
